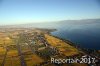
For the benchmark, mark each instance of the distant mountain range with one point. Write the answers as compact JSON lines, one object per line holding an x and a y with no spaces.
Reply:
{"x":53,"y":24}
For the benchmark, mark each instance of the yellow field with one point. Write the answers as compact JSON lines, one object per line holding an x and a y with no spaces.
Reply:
{"x":12,"y":53}
{"x":6,"y":41}
{"x":33,"y":59}
{"x":12,"y":58}
{"x":12,"y":61}
{"x":2,"y":50}
{"x":2,"y":53}
{"x":63,"y":47}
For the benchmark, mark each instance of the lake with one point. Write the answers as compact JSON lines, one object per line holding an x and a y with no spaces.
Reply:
{"x":84,"y":35}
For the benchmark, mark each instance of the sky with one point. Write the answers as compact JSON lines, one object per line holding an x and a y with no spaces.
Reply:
{"x":31,"y":11}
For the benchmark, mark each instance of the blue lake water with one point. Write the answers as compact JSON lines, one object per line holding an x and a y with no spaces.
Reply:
{"x":85,"y":35}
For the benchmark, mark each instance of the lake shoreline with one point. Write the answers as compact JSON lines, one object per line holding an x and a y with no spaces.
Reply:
{"x":85,"y":50}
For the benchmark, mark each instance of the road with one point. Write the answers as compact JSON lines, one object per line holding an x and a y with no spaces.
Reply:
{"x":23,"y":63}
{"x":4,"y":57}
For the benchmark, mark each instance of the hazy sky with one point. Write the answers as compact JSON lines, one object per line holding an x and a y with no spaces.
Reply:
{"x":24,"y":11}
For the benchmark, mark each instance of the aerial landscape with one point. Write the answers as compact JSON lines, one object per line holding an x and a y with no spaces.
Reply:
{"x":36,"y":46}
{"x":49,"y":33}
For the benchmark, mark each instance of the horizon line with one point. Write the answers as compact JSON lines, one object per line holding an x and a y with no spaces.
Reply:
{"x":49,"y":21}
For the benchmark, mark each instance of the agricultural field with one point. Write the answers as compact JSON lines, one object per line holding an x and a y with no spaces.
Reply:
{"x":2,"y":53}
{"x":63,"y":47}
{"x":5,"y":40}
{"x":12,"y":58}
{"x":33,"y":59}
